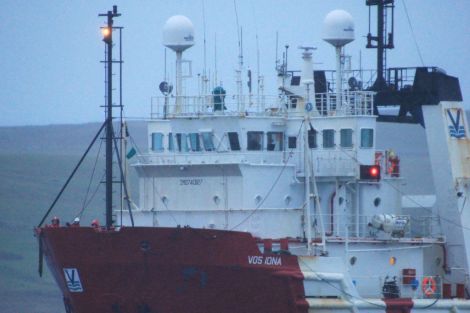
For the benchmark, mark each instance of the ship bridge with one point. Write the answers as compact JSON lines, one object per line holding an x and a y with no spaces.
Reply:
{"x":213,"y":163}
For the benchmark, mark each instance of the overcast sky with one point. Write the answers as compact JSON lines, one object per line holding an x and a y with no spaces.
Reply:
{"x":50,"y":51}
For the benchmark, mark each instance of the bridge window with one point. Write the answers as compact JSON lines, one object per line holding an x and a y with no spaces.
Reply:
{"x":207,"y":141}
{"x":233,"y":141}
{"x":367,"y":138}
{"x":312,"y":138}
{"x":170,"y":142}
{"x":255,"y":141}
{"x":292,"y":142}
{"x":275,"y":141}
{"x":182,"y":142}
{"x":346,"y":138}
{"x":157,"y":142}
{"x":194,"y":142}
{"x":328,"y":138}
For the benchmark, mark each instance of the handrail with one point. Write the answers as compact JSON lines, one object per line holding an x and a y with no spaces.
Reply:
{"x":323,"y":105}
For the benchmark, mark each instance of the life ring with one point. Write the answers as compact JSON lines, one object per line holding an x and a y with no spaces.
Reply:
{"x":429,"y":286}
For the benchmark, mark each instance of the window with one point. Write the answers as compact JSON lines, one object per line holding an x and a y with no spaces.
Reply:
{"x":346,"y":138}
{"x":194,"y":142}
{"x":207,"y":141}
{"x":182,"y":142}
{"x":255,"y":141}
{"x":292,"y":142}
{"x":233,"y":140}
{"x":367,"y":138}
{"x":157,"y":142}
{"x":293,"y":102}
{"x":170,"y":142}
{"x":275,"y":141}
{"x":328,"y":138}
{"x":312,"y":138}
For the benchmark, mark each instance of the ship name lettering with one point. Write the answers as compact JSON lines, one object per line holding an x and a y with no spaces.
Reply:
{"x":195,"y":182}
{"x":260,"y":260}
{"x":271,"y":260}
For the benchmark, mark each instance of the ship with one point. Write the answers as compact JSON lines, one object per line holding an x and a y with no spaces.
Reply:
{"x":251,"y":203}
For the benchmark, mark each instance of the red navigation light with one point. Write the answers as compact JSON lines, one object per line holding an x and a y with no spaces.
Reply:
{"x":370,"y":172}
{"x":374,"y":171}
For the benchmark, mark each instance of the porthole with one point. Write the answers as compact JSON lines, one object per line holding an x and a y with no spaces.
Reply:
{"x":352,"y":260}
{"x":377,"y":201}
{"x":340,"y":200}
{"x":287,"y":199}
{"x":144,"y":245}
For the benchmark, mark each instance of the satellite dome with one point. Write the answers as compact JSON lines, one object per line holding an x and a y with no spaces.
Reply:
{"x":338,"y":28}
{"x":178,"y":33}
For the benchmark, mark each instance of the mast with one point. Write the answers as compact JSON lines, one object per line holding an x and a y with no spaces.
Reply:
{"x":383,"y":39}
{"x":108,"y":39}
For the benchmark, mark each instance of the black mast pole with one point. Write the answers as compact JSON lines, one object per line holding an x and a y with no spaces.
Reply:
{"x":383,"y":40}
{"x":108,"y":39}
{"x":380,"y":45}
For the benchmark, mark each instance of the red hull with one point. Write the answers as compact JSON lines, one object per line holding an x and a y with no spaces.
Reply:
{"x":171,"y":270}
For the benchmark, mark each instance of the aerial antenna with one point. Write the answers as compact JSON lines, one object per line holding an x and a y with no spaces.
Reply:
{"x":240,"y":61}
{"x":259,"y":79}
{"x":215,"y":59}
{"x":277,"y":48}
{"x":204,"y":72}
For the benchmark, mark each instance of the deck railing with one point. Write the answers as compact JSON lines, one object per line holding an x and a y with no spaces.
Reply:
{"x":402,"y":226}
{"x":323,"y":104}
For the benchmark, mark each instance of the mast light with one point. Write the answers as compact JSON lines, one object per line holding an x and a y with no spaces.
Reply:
{"x":106,"y":32}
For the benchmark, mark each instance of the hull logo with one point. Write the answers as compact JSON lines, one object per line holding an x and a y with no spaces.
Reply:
{"x":73,"y":280}
{"x":456,"y":127}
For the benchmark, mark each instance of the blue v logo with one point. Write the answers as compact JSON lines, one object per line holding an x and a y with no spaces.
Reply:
{"x":456,"y":128}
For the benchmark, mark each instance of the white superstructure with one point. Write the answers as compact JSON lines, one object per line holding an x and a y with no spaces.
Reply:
{"x":221,"y":161}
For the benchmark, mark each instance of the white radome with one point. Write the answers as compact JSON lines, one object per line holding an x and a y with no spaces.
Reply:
{"x":338,"y":28}
{"x":178,"y":33}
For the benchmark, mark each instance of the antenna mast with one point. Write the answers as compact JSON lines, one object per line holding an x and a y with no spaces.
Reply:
{"x":108,"y":39}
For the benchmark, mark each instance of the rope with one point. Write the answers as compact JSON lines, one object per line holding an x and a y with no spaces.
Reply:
{"x":85,"y":200}
{"x":94,"y":193}
{"x":71,"y":175}
{"x":412,"y":32}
